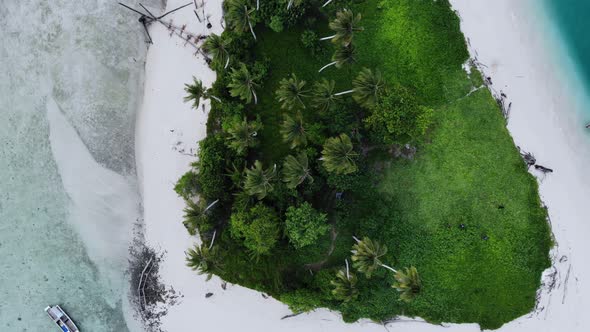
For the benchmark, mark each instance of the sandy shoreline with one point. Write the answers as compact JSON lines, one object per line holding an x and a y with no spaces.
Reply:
{"x":168,"y":130}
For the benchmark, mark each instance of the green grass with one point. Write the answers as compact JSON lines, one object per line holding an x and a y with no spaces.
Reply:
{"x":467,"y":167}
{"x":489,"y":271}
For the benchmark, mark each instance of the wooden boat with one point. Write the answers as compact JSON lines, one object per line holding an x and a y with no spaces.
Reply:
{"x":61,"y":319}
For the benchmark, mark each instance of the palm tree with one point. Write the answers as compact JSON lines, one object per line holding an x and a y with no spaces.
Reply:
{"x":242,"y":84}
{"x":367,"y":87}
{"x":239,"y":16}
{"x":259,"y":180}
{"x":345,"y":288}
{"x":204,"y":260}
{"x":323,"y":96}
{"x":293,"y":131}
{"x":242,"y":135}
{"x":326,"y":3}
{"x":296,"y":170}
{"x":366,"y":256}
{"x":193,"y":216}
{"x":196,"y":91}
{"x":294,"y":2}
{"x":343,"y":55}
{"x":217,"y":46}
{"x":291,"y":92}
{"x":408,"y":284}
{"x":338,"y":155}
{"x":344,"y":25}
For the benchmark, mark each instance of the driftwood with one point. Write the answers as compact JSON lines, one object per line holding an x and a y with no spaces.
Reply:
{"x":148,"y":18}
{"x":291,"y":315}
{"x":529,"y":158}
{"x":141,"y":283}
{"x":543,"y":169}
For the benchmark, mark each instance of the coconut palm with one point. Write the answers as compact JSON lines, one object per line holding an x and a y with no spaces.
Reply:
{"x":259,"y":180}
{"x":194,"y":216}
{"x":408,"y":283}
{"x":345,"y":288}
{"x":242,"y":135}
{"x":366,"y":255}
{"x":294,"y":2}
{"x":367,"y":87}
{"x":344,"y":25}
{"x":196,"y":92}
{"x":217,"y":46}
{"x":326,"y":3}
{"x":293,"y":131}
{"x":204,"y":260}
{"x":343,"y":55}
{"x":291,"y":92}
{"x":323,"y":94}
{"x":296,"y":170}
{"x":338,"y":155}
{"x":239,"y":16}
{"x":242,"y":84}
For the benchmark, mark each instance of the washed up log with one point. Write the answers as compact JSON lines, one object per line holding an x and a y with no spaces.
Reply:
{"x":543,"y":169}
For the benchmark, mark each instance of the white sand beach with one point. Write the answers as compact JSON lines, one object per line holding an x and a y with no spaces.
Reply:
{"x":503,"y":35}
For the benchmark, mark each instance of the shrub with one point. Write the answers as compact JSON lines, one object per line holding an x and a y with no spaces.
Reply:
{"x":398,"y":118}
{"x":214,"y":157}
{"x":311,"y":41}
{"x":188,"y":185}
{"x":304,"y":225}
{"x":301,"y":300}
{"x":276,"y":24}
{"x":258,"y":227}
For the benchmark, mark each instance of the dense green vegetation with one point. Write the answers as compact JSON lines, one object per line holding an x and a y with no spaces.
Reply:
{"x":386,"y":175}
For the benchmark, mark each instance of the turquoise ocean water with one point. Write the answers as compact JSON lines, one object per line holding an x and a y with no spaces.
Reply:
{"x":570,"y":20}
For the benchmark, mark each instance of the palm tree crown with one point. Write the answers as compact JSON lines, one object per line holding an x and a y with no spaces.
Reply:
{"x":217,"y":46}
{"x":338,"y":155}
{"x":291,"y":92}
{"x":239,"y":16}
{"x":242,"y":84}
{"x":294,"y":2}
{"x":259,"y":180}
{"x":296,"y":170}
{"x":408,"y":283}
{"x":323,"y":96}
{"x":366,"y":254}
{"x":204,"y":260}
{"x":367,"y":87}
{"x":242,"y":135}
{"x":345,"y":286}
{"x":293,"y":131}
{"x":195,"y":92}
{"x":345,"y":25}
{"x":343,"y":55}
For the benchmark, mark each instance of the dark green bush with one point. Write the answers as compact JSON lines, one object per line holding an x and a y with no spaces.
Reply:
{"x":304,"y":225}
{"x":188,"y":185}
{"x":259,"y":228}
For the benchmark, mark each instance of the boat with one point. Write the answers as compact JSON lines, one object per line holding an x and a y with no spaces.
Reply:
{"x":61,"y":319}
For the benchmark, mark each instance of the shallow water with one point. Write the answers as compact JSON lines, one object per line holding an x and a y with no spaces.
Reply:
{"x":570,"y":28}
{"x":69,"y":88}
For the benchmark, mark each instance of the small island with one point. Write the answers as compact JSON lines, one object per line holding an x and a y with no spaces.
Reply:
{"x":356,"y":161}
